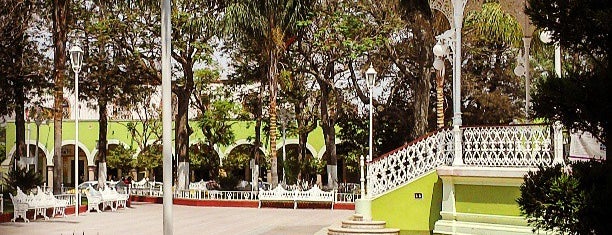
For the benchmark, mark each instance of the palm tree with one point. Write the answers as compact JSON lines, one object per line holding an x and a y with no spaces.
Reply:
{"x":274,"y":24}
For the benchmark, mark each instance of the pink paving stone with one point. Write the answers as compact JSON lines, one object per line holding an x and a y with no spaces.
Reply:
{"x":146,"y":219}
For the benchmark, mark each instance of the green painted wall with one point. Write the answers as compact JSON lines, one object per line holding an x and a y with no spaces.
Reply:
{"x":401,"y":210}
{"x":117,"y":130}
{"x":483,"y":199}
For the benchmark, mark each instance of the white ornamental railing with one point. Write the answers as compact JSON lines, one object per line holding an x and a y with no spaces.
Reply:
{"x":484,"y":146}
{"x":216,"y":195}
{"x":513,"y":146}
{"x":410,"y":161}
{"x":347,"y":197}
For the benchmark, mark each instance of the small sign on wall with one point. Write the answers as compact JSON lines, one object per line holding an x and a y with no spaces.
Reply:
{"x":418,"y":195}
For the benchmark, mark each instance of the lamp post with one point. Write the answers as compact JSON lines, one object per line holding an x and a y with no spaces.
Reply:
{"x":166,"y":37}
{"x":363,"y":205}
{"x":440,"y":51}
{"x":27,"y":158}
{"x":76,"y":59}
{"x":546,"y":37}
{"x":370,"y":78}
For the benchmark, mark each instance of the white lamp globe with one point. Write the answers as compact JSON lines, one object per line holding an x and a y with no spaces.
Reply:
{"x":439,"y":50}
{"x":546,"y":36}
{"x":438,"y":64}
{"x":519,"y":70}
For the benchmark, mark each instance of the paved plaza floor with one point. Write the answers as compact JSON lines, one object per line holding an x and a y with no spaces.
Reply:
{"x":146,"y":219}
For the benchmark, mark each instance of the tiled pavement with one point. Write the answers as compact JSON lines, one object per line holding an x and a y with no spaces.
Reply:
{"x":146,"y":219}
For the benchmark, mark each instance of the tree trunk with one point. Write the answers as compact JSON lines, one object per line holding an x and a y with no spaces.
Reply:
{"x":423,"y":79}
{"x":256,"y":154}
{"x":273,"y":128}
{"x":182,"y":138}
{"x":20,"y":151}
{"x":329,"y":133}
{"x":60,"y":28}
{"x":102,"y":146}
{"x":302,"y":139}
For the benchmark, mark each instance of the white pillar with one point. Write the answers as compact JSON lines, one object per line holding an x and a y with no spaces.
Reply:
{"x":166,"y":117}
{"x":526,"y":46}
{"x":558,"y":59}
{"x":370,"y":140}
{"x":458,"y":6}
{"x":76,"y":143}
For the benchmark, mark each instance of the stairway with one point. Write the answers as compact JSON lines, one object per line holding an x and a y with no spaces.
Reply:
{"x":356,"y":225}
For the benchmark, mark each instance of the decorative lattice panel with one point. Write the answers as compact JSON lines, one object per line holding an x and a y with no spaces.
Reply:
{"x":514,"y":146}
{"x":410,"y":162}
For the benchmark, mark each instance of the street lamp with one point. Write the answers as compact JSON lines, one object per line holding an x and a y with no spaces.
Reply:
{"x":370,"y":79}
{"x":76,"y":59}
{"x":440,"y":51}
{"x":546,"y":37}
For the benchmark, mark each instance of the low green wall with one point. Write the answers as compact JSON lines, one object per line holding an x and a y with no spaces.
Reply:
{"x":401,"y":210}
{"x":484,"y":199}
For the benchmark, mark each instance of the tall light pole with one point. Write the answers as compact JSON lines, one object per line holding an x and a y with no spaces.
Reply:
{"x":363,"y":205}
{"x":76,"y":59}
{"x":370,"y":79}
{"x":166,"y":117}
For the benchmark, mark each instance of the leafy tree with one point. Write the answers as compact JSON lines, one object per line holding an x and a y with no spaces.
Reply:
{"x":25,"y":179}
{"x":121,"y":158}
{"x":205,"y":162}
{"x":114,"y":78}
{"x":24,"y":70}
{"x":195,"y":24}
{"x":60,"y":13}
{"x":571,"y":199}
{"x":274,"y":23}
{"x":491,"y":93}
{"x":2,"y":143}
{"x":577,"y":98}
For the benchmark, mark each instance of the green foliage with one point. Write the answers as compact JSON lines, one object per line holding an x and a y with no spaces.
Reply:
{"x":570,"y":199}
{"x":25,"y":179}
{"x":149,"y":158}
{"x":121,"y":158}
{"x":578,"y":98}
{"x":228,"y":182}
{"x":2,"y":143}
{"x":205,"y":161}
{"x":491,"y":92}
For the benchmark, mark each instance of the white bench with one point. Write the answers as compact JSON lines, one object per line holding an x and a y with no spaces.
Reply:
{"x":94,"y":199}
{"x":108,"y":197}
{"x":39,"y":203}
{"x":312,"y":195}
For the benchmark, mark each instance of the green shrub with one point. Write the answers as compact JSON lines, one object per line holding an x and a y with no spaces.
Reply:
{"x":228,"y":182}
{"x":573,"y":199}
{"x":25,"y":179}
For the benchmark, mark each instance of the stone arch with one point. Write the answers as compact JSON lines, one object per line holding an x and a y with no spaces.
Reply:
{"x":245,"y":171}
{"x":309,"y":147}
{"x":85,"y":160}
{"x":42,"y":150}
{"x":94,"y":171}
{"x":324,"y":149}
{"x":241,"y":142}
{"x":206,"y":171}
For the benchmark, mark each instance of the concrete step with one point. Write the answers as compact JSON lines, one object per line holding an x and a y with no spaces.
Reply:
{"x":363,"y":224}
{"x":357,"y":231}
{"x":357,"y":217}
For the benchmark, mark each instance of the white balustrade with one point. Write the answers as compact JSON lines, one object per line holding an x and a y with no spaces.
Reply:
{"x":409,"y":162}
{"x":486,"y":146}
{"x":513,"y":146}
{"x":347,"y":197}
